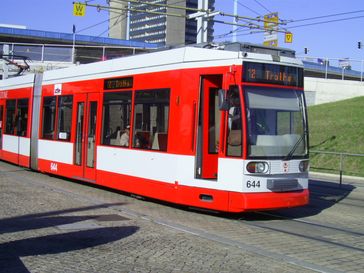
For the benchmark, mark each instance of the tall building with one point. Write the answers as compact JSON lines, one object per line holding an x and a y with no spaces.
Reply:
{"x":159,"y":27}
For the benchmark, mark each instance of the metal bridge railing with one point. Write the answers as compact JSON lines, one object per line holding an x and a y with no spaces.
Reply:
{"x":69,"y":53}
{"x":334,"y":68}
{"x":341,"y":156}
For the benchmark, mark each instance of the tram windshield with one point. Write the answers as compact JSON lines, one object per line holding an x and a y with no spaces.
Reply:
{"x":276,"y":124}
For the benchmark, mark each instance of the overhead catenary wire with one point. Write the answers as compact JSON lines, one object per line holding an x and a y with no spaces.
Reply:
{"x":326,"y":22}
{"x":242,"y":27}
{"x":108,"y":8}
{"x":99,"y":23}
{"x":159,"y":5}
{"x":239,"y":3}
{"x":115,"y":23}
{"x":292,"y":27}
{"x":325,"y":16}
{"x":289,"y":23}
{"x":260,"y":4}
{"x":208,"y":11}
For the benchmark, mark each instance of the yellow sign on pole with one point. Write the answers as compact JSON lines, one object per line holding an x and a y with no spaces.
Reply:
{"x":79,"y":9}
{"x":271,"y":22}
{"x":288,"y":37}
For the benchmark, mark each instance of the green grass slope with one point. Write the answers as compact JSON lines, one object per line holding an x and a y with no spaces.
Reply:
{"x":337,"y":127}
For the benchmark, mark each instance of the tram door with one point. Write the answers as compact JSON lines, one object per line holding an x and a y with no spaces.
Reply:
{"x":209,"y":127}
{"x":85,"y":139}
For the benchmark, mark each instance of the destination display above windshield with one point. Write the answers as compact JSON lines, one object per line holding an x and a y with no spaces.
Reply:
{"x":272,"y":74}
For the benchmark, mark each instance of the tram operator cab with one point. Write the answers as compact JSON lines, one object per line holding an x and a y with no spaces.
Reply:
{"x":267,"y":127}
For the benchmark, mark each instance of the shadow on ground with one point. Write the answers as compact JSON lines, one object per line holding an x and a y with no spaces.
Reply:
{"x":323,"y":195}
{"x":94,"y":235}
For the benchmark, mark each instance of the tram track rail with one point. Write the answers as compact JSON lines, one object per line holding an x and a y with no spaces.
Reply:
{"x":309,"y":237}
{"x":316,"y":224}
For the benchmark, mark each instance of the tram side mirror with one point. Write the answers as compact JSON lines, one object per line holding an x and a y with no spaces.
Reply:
{"x":223,"y":103}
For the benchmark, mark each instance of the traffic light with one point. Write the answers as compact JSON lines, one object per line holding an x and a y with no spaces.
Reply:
{"x":359,"y":45}
{"x":306,"y":50}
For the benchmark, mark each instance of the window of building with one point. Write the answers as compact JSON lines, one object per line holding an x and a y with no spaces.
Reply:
{"x":116,"y":118}
{"x":151,"y":116}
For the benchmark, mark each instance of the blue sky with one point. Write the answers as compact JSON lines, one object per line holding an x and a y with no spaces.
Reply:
{"x":333,"y":40}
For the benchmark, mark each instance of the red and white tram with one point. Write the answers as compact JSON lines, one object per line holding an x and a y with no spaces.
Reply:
{"x":217,"y":129}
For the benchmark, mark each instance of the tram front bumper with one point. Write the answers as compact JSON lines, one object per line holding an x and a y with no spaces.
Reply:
{"x":239,"y":202}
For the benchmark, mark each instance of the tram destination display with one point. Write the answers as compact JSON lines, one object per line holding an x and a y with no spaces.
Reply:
{"x":272,"y":74}
{"x":118,"y":83}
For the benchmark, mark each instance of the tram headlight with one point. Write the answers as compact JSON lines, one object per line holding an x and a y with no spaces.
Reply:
{"x":304,"y":166}
{"x":257,"y":167}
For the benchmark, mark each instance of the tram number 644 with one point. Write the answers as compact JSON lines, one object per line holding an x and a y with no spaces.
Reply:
{"x":252,"y":184}
{"x":54,"y":167}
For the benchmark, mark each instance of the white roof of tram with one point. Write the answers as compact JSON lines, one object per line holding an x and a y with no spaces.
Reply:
{"x":179,"y":58}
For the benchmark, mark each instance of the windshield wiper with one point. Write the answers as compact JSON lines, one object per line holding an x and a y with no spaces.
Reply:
{"x":294,"y":148}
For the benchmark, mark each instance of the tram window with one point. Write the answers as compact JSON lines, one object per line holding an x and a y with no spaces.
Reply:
{"x":49,"y":116}
{"x":288,"y":123}
{"x":10,"y":117}
{"x":22,"y":117}
{"x":151,"y":118}
{"x":214,"y":121}
{"x":234,"y":139}
{"x":116,"y":118}
{"x":64,"y":117}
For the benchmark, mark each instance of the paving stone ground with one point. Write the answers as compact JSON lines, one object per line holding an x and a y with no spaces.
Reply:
{"x":49,"y":224}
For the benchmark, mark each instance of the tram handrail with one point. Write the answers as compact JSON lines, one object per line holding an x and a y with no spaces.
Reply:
{"x":342,"y":155}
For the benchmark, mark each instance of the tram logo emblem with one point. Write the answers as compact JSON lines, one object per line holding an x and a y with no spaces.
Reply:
{"x":57,"y":89}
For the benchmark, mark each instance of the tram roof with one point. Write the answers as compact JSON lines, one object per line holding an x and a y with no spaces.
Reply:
{"x":179,"y":58}
{"x":17,"y":82}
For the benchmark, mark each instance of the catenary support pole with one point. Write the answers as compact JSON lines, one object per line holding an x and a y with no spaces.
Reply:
{"x":202,"y":22}
{"x":235,"y":26}
{"x":6,"y":51}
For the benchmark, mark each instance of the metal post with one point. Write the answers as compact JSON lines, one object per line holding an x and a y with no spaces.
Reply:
{"x":43,"y":49}
{"x":341,"y":168}
{"x":326,"y":67}
{"x":74,"y":44}
{"x":235,"y":27}
{"x":6,"y":51}
{"x":362,"y":67}
{"x":202,"y":22}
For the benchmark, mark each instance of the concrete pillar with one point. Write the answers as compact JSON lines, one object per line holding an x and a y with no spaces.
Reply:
{"x":118,"y":22}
